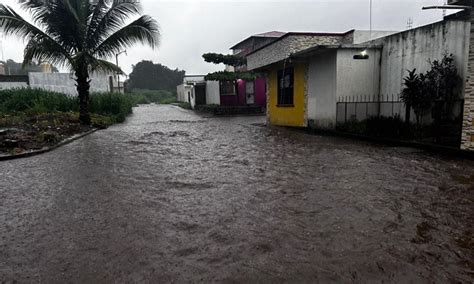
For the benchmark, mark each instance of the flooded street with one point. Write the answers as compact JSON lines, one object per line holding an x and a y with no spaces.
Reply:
{"x":171,"y":196}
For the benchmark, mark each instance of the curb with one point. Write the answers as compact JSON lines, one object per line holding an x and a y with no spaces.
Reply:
{"x":433,"y":148}
{"x":48,"y":149}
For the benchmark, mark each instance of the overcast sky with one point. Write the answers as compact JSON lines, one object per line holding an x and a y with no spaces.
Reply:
{"x":193,"y":27}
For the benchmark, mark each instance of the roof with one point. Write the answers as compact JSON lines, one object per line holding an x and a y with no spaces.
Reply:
{"x":301,"y":34}
{"x":272,"y":34}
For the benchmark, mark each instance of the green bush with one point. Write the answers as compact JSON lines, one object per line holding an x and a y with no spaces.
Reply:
{"x":115,"y":105}
{"x":150,"y":96}
{"x":35,"y":101}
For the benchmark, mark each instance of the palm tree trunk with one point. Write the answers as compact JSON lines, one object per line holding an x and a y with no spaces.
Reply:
{"x":83,"y":87}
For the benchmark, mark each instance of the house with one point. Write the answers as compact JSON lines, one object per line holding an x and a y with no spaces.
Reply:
{"x":197,"y":91}
{"x":299,"y":66}
{"x":247,"y":92}
{"x":318,"y":79}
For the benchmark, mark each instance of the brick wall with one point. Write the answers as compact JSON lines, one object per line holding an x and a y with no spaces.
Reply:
{"x":467,"y":142}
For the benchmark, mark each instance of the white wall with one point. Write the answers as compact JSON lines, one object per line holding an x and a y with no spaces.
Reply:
{"x":357,"y":77}
{"x":361,"y":36}
{"x":335,"y":76}
{"x":13,"y":85}
{"x":412,"y":49}
{"x":65,"y":83}
{"x":212,"y":93}
{"x":321,"y":99}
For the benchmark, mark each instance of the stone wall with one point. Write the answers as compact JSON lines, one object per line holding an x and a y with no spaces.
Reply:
{"x":288,"y":45}
{"x":467,"y":142}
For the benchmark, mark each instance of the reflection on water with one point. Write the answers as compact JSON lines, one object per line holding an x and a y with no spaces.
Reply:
{"x":173,"y":196}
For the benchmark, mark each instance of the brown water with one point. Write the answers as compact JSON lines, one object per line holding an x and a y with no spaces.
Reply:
{"x":173,"y":196}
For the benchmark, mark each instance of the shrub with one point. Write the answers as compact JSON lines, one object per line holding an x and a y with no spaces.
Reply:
{"x":115,"y":105}
{"x":149,"y":96}
{"x":35,"y":101}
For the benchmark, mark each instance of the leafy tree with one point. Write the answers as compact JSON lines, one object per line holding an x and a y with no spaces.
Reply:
{"x":80,"y":35}
{"x":442,"y":80}
{"x":439,"y":87}
{"x":14,"y":68}
{"x":415,"y":96}
{"x":232,"y":60}
{"x":150,"y":76}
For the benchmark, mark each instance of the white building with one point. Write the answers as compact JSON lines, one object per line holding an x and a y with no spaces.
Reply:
{"x":197,"y":91}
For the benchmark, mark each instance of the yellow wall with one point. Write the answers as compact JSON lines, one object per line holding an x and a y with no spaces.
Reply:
{"x":287,"y":116}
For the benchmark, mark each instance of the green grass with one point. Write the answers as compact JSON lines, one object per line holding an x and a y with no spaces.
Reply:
{"x":113,"y":107}
{"x":150,"y":96}
{"x":29,"y":102}
{"x":35,"y":101}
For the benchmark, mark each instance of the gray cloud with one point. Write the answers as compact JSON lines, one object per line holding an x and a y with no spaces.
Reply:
{"x":191,"y":28}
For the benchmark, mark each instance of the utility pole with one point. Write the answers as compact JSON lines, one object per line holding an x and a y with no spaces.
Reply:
{"x":116,"y":61}
{"x":370,"y":20}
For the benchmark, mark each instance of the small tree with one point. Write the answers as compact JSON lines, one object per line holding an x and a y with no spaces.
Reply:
{"x":231,"y":60}
{"x":414,"y":96}
{"x":442,"y":80}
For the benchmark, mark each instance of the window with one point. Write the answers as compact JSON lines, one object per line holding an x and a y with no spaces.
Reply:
{"x":227,"y":88}
{"x":249,"y":88}
{"x":285,"y":87}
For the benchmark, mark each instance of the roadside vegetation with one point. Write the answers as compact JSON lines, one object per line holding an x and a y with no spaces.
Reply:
{"x":31,"y":119}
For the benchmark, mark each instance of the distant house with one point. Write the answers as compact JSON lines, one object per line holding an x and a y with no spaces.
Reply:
{"x":197,"y":91}
{"x":249,"y":93}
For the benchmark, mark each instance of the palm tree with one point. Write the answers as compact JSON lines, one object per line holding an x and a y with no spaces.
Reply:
{"x":79,"y":35}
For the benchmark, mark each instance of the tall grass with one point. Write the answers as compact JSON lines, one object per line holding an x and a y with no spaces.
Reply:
{"x":151,"y":96}
{"x":32,"y":101}
{"x":37,"y":101}
{"x":115,"y":106}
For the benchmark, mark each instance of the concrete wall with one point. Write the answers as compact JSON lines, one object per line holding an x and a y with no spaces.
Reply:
{"x":467,"y":137}
{"x":321,"y":99}
{"x":12,"y":85}
{"x":64,"y":82}
{"x":212,"y":93}
{"x":364,"y":36}
{"x":334,"y":76}
{"x":357,"y":77}
{"x":183,"y":93}
{"x":414,"y":48}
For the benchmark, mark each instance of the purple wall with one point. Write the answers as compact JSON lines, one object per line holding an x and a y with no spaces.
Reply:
{"x":241,"y":100}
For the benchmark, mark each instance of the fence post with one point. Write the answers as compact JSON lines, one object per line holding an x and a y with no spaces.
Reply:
{"x":345,"y":112}
{"x":392,"y":105}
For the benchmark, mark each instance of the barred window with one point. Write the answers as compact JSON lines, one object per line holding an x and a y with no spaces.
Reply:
{"x":285,"y":87}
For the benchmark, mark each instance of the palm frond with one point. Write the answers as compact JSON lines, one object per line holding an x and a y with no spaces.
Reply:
{"x":112,"y":18}
{"x":103,"y":66}
{"x":143,"y":30}
{"x":45,"y":50}
{"x":13,"y":24}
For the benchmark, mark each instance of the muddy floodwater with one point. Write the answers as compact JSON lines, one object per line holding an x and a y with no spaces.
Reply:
{"x":171,"y":196}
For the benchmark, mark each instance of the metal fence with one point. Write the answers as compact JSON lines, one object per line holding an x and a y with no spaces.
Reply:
{"x":358,"y":108}
{"x":381,"y":116}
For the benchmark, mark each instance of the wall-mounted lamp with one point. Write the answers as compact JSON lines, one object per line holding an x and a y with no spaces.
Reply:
{"x":362,"y":55}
